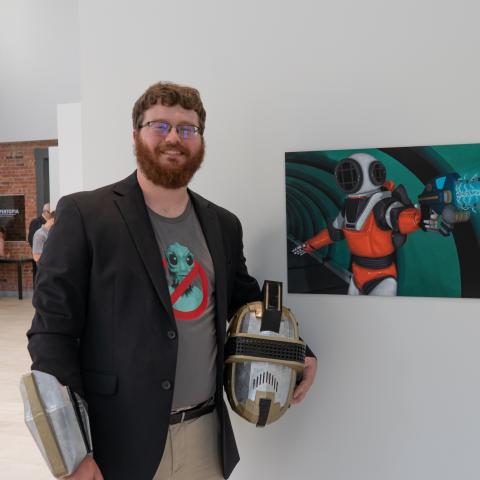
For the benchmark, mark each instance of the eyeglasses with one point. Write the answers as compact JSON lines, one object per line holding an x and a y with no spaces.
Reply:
{"x":162,"y":129}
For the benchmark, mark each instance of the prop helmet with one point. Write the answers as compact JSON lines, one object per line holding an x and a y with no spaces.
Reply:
{"x":264,"y":356}
{"x":360,"y":174}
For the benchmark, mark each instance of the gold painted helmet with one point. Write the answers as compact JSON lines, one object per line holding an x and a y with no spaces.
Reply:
{"x":264,"y":356}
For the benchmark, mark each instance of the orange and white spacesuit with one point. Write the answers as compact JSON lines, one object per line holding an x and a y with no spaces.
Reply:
{"x":374,"y":220}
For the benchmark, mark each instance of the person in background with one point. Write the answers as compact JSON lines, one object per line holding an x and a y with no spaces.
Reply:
{"x":3,"y":253}
{"x":41,"y":236}
{"x":36,"y":223}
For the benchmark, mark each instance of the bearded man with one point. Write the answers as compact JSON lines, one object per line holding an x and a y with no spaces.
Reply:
{"x":133,"y":292}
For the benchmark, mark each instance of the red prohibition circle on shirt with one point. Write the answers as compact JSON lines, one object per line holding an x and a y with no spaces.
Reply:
{"x":196,"y":271}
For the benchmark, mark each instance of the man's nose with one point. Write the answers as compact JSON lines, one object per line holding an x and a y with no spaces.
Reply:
{"x":172,"y":136}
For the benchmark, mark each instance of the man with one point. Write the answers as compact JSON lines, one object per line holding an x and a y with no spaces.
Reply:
{"x":36,"y":223}
{"x":132,"y":297}
{"x":3,"y":234}
{"x":40,"y":237}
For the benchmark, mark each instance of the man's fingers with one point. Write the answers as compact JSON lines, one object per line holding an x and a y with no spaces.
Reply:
{"x":307,"y":380}
{"x":87,"y":470}
{"x":298,"y":394}
{"x":98,"y":475}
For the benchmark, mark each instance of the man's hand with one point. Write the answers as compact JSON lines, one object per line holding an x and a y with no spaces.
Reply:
{"x":87,"y":470}
{"x":307,"y":380}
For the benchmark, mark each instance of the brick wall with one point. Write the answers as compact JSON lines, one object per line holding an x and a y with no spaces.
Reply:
{"x":17,"y":177}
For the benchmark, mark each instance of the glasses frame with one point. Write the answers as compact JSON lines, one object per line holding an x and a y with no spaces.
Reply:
{"x":196,"y":130}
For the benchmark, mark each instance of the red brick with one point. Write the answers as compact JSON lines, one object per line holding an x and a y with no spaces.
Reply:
{"x":17,"y":177}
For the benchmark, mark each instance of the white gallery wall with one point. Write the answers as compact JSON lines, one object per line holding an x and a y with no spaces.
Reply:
{"x":398,"y":387}
{"x":65,"y":161}
{"x":69,"y":177}
{"x":39,"y":65}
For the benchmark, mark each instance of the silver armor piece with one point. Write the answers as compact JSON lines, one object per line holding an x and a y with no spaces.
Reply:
{"x":54,"y":422}
{"x":260,"y":372}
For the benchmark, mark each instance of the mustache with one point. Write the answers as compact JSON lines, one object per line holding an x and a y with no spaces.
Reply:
{"x":164,"y":148}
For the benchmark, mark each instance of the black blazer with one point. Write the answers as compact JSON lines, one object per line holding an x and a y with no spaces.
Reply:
{"x":104,"y":322}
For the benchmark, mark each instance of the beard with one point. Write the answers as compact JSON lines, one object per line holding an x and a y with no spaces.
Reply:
{"x":171,"y":175}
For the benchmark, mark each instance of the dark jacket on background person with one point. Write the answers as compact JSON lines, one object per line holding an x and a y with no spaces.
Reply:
{"x":104,"y":323}
{"x":35,"y":224}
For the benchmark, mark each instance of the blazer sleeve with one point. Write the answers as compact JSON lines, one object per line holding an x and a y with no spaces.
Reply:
{"x":245,"y":288}
{"x":60,"y":298}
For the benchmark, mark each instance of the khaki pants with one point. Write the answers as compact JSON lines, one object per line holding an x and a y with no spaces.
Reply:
{"x":192,"y":451}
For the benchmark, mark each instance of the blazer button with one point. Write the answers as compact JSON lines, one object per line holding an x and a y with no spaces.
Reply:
{"x":166,"y":385}
{"x":171,"y":335}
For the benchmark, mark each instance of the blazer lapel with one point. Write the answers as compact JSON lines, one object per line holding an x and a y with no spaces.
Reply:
{"x":211,"y":229}
{"x":132,"y":207}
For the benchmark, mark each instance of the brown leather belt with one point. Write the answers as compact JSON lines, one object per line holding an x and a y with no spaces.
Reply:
{"x":191,"y":413}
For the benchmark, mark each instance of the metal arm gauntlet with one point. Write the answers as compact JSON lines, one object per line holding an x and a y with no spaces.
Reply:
{"x":58,"y":421}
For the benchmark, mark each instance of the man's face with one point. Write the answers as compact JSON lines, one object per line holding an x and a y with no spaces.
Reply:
{"x":169,"y":161}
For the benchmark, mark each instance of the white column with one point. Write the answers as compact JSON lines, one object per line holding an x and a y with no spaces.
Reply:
{"x":54,"y":176}
{"x":66,"y":173}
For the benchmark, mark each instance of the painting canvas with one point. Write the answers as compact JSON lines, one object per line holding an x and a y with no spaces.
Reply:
{"x":384,"y":221}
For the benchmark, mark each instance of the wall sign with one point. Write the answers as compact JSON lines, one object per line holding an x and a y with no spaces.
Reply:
{"x":12,"y":216}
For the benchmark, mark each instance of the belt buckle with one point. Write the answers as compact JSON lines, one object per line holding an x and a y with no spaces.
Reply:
{"x":183,"y":413}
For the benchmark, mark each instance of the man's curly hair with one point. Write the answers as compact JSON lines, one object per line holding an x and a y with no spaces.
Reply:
{"x":169,"y":94}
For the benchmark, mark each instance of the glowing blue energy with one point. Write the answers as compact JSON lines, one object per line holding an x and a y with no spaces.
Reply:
{"x":467,"y":193}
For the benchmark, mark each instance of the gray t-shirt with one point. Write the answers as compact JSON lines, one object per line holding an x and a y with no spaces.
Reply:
{"x":39,"y":239}
{"x":191,"y":281}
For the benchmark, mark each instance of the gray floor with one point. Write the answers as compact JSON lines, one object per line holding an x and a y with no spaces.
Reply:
{"x":19,"y":457}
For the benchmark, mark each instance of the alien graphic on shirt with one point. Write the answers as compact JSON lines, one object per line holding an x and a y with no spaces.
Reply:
{"x":181,"y":262}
